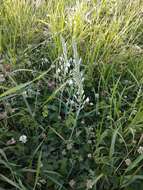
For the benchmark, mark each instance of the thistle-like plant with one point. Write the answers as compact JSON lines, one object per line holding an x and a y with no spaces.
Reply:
{"x":71,"y":72}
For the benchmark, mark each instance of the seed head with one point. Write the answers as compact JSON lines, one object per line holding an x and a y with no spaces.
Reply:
{"x":128,"y":162}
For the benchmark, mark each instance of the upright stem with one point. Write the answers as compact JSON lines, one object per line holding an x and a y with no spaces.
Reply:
{"x":75,"y":122}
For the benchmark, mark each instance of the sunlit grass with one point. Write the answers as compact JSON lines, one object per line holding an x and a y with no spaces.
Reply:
{"x":71,"y":76}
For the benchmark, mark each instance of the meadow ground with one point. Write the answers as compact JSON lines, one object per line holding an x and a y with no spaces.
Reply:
{"x":71,"y":95}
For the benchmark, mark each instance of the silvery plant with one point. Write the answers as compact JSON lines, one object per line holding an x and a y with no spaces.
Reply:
{"x":69,"y":71}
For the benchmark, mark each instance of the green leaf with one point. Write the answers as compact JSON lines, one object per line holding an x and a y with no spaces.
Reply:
{"x":3,"y":154}
{"x":97,"y":179}
{"x":21,"y":86}
{"x":112,"y":147}
{"x":38,"y":170}
{"x":9,"y":181}
{"x":129,"y":179}
{"x":54,"y":93}
{"x":134,"y":163}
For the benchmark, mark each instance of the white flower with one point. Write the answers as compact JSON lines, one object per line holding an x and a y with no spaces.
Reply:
{"x":72,"y":183}
{"x":89,"y":184}
{"x":70,"y":82}
{"x":140,"y":150}
{"x":128,"y":162}
{"x":89,"y":155}
{"x":66,"y":69}
{"x":82,"y":92}
{"x":134,"y":112}
{"x":53,"y":66}
{"x":23,"y":138}
{"x":2,"y":78}
{"x":69,"y":146}
{"x":72,"y":102}
{"x":108,"y":116}
{"x":87,"y":100}
{"x":42,"y":181}
{"x":58,"y":70}
{"x":67,"y":64}
{"x":82,"y":79}
{"x":82,"y":122}
{"x":45,"y":59}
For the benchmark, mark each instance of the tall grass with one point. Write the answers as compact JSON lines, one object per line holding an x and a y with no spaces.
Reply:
{"x":71,"y":83}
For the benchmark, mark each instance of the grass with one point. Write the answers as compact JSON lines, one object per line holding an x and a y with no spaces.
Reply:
{"x":71,"y":83}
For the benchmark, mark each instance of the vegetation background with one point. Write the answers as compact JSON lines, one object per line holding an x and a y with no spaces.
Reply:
{"x":71,"y":94}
